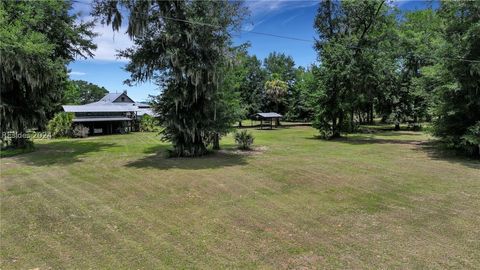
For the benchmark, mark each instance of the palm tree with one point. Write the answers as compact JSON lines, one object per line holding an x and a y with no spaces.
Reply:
{"x":276,"y":90}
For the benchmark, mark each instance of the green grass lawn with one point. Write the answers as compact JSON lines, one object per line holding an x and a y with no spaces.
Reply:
{"x":384,"y":200}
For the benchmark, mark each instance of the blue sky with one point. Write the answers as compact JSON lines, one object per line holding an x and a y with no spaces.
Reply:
{"x":286,"y":18}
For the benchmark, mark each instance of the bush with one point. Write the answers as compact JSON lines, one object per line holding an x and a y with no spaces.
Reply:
{"x":60,"y":125}
{"x":244,"y":139}
{"x":148,"y":123}
{"x":471,"y":140}
{"x":80,"y":131}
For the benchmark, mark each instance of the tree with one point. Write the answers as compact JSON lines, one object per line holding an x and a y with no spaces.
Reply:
{"x":418,"y":42}
{"x":299,"y":107}
{"x":457,"y":111}
{"x":347,"y":33}
{"x":246,"y":77}
{"x":228,"y":109}
{"x":81,"y":92}
{"x":183,"y":46}
{"x":37,"y":40}
{"x":281,"y":67}
{"x":276,"y":89}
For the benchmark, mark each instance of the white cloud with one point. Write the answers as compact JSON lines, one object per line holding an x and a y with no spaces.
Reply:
{"x":290,"y":19}
{"x":264,"y":10}
{"x":260,"y":6}
{"x":109,"y":42}
{"x":76,"y":73}
{"x":267,"y":6}
{"x":252,"y":25}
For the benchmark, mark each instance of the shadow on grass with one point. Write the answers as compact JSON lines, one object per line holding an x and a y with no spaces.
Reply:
{"x":391,"y":132}
{"x":437,"y":151}
{"x":363,"y":140}
{"x":61,"y":152}
{"x":158,"y":159}
{"x":434,"y":149}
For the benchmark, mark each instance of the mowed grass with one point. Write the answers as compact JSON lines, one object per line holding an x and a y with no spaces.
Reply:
{"x":384,"y":200}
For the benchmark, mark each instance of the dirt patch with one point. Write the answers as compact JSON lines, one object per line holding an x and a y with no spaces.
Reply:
{"x":254,"y":151}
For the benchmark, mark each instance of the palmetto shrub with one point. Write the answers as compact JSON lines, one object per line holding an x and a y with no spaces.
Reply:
{"x":244,"y":139}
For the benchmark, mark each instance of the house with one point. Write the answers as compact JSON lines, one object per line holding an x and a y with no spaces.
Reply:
{"x":114,"y":113}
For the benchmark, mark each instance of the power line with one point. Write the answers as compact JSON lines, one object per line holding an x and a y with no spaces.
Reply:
{"x":216,"y":26}
{"x":287,"y":37}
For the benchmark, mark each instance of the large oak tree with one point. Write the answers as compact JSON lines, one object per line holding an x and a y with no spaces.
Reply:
{"x":184,"y":47}
{"x":37,"y":40}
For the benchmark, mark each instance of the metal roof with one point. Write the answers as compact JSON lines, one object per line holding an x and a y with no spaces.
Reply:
{"x":269,"y":115}
{"x":101,"y":119}
{"x":110,"y":97}
{"x":99,"y":108}
{"x":107,"y":104}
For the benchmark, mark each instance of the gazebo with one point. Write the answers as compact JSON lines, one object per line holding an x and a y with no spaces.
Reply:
{"x":268,"y":118}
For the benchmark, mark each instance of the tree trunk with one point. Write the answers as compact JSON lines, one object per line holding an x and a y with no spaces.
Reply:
{"x":334,"y":126}
{"x":186,"y":146}
{"x":352,"y":120}
{"x":240,"y":123}
{"x":337,"y":128}
{"x":216,"y":142}
{"x":384,"y":119}
{"x":21,"y":139}
{"x":371,"y":114}
{"x":397,"y":126}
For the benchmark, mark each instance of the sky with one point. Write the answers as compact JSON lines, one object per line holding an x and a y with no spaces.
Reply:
{"x":286,"y":18}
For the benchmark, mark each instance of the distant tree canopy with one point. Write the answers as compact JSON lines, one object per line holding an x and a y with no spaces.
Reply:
{"x":37,"y":40}
{"x":80,"y":92}
{"x":280,"y":66}
{"x":249,"y":77}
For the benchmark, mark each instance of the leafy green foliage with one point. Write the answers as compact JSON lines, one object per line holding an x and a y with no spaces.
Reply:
{"x":300,"y":105}
{"x":244,"y":139}
{"x":148,"y":123}
{"x":457,"y":111}
{"x":80,"y":92}
{"x":347,"y":73}
{"x":280,"y":66}
{"x":276,"y":89}
{"x":471,"y":139}
{"x":246,"y":76}
{"x":37,"y":40}
{"x":61,"y":125}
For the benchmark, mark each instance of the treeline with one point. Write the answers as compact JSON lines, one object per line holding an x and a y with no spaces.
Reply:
{"x":402,"y":67}
{"x":376,"y":62}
